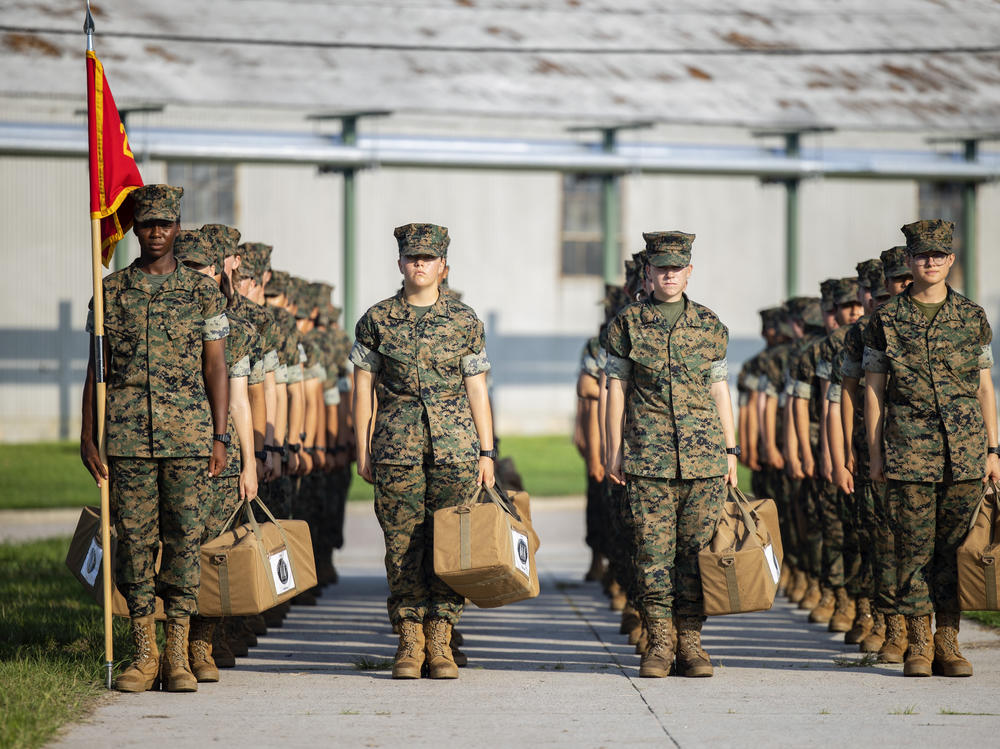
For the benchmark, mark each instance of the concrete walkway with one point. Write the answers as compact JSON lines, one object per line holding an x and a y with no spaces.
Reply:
{"x":551,"y":672}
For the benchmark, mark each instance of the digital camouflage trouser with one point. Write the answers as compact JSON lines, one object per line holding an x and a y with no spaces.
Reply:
{"x":831,"y":503}
{"x":596,"y":529}
{"x":225,"y":496}
{"x":884,"y":561}
{"x":405,"y":500}
{"x":932,"y":521}
{"x":673,"y":519}
{"x":859,"y":552}
{"x":620,"y":544}
{"x":157,"y":500}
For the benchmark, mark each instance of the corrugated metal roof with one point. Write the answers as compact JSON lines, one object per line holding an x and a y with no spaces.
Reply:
{"x":896,"y":64}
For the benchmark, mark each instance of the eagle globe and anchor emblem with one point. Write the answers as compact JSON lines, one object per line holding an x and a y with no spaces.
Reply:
{"x":282,"y":571}
{"x":522,"y":550}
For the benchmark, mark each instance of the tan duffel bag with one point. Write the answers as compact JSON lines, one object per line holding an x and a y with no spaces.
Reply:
{"x":522,"y":503}
{"x":483,"y":550}
{"x":255,"y":566}
{"x":978,"y":579}
{"x":84,"y":560}
{"x":742,"y":564}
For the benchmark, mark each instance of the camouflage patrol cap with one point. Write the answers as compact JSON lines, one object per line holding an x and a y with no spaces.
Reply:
{"x":422,"y":239}
{"x":805,"y":308}
{"x":668,"y":248}
{"x":191,"y":246}
{"x":770,"y":317}
{"x":278,"y":284}
{"x":894,"y":262}
{"x":298,"y":294}
{"x":157,"y":203}
{"x":933,"y":235}
{"x":614,"y":299}
{"x":224,"y":238}
{"x":335,"y":312}
{"x":868,"y":270}
{"x":323,"y":317}
{"x":846,"y":291}
{"x":784,"y":322}
{"x":826,"y":294}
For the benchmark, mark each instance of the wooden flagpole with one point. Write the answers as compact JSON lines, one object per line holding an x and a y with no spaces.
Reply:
{"x":100,"y":400}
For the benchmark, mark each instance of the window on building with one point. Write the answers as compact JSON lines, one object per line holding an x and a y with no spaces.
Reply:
{"x":944,"y":200}
{"x":209,"y":191}
{"x":582,"y":235}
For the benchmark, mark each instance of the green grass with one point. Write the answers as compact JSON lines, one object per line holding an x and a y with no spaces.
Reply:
{"x":989,"y":618}
{"x":51,"y":644}
{"x":43,"y":475}
{"x":49,"y":474}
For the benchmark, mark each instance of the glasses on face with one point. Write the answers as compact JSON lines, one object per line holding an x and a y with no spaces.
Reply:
{"x":931,"y":258}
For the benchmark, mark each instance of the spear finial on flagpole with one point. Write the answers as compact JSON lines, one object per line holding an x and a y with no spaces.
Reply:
{"x":88,"y":28}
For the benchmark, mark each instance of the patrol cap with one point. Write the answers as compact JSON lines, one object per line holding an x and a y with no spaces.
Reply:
{"x":157,"y":203}
{"x":278,"y":284}
{"x":614,"y":299}
{"x":298,"y":294}
{"x":846,"y":291}
{"x":932,"y":235}
{"x":806,"y":309}
{"x":422,"y":239}
{"x":334,"y":313}
{"x":224,"y":238}
{"x":323,"y":317}
{"x":771,"y":317}
{"x":826,"y":294}
{"x":668,"y":248}
{"x":191,"y":246}
{"x":866,"y":270}
{"x":784,"y":322}
{"x":894,"y":262}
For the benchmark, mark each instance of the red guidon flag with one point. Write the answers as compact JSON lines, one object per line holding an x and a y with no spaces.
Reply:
{"x":113,"y":171}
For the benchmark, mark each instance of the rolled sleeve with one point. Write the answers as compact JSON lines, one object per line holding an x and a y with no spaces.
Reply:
{"x":271,"y":362}
{"x":824,"y":369}
{"x":833,"y":393}
{"x":588,"y":366}
{"x":331,"y":396}
{"x":618,"y":368}
{"x":743,"y":399}
{"x":257,"y":372}
{"x":344,"y":384}
{"x":875,"y":361}
{"x":752,"y":383}
{"x":215,"y":327}
{"x":986,"y":358}
{"x":295,"y":374}
{"x":281,"y":374}
{"x":315,"y":372}
{"x":474,"y":364}
{"x":720,"y":370}
{"x":364,"y":358}
{"x":241,"y":368}
{"x":802,"y":390}
{"x":851,"y":368}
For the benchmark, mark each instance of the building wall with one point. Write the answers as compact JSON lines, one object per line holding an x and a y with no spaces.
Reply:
{"x":505,"y":230}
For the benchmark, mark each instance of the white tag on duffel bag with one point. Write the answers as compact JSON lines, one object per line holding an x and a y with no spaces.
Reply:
{"x":281,"y":571}
{"x":522,"y":560}
{"x":772,"y":563}
{"x":92,"y":562}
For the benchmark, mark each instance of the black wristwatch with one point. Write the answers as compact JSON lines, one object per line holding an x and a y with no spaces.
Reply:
{"x":280,"y":449}
{"x":993,"y":451}
{"x":488,"y":453}
{"x":734,"y":451}
{"x":294,"y":446}
{"x":261,"y":455}
{"x":223,"y":438}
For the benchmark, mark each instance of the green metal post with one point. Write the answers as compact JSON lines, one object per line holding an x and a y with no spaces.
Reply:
{"x":349,"y":137}
{"x":792,"y":221}
{"x":970,"y":259}
{"x":611,"y":215}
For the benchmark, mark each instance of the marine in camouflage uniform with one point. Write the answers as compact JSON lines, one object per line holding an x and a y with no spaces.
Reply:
{"x":666,"y":437}
{"x":160,"y":331}
{"x":927,"y":362}
{"x":422,"y":362}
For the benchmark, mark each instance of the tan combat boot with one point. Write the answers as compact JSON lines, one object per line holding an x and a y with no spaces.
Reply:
{"x":658,"y":659}
{"x":221,"y":653}
{"x":437,"y":636}
{"x":823,"y":610}
{"x":630,"y":620}
{"x":783,"y":579}
{"x":920,"y":655}
{"x":642,"y":641}
{"x":895,"y":645}
{"x":618,"y":597}
{"x":948,"y":659}
{"x":460,"y":658}
{"x":233,"y":633}
{"x":692,"y":660}
{"x":200,"y":649}
{"x":257,"y":624}
{"x":596,"y":571}
{"x":843,"y":612}
{"x":862,"y":623}
{"x":872,"y":641}
{"x":812,"y":595}
{"x":175,"y":670}
{"x":143,"y":674}
{"x":797,"y":586}
{"x":410,"y":652}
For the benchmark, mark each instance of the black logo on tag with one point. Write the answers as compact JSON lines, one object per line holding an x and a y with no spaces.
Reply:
{"x":282,"y":571}
{"x":522,"y":550}
{"x":91,"y":564}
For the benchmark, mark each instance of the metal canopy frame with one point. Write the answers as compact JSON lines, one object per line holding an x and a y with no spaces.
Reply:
{"x":350,"y":151}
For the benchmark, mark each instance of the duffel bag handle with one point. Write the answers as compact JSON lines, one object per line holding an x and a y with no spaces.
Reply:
{"x":747,"y":511}
{"x":493,"y":496}
{"x":979,"y":508}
